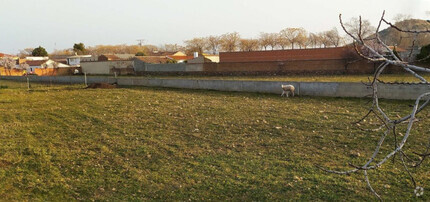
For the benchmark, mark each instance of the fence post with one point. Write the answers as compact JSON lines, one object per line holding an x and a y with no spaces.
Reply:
{"x":85,"y":79}
{"x":116,"y":79}
{"x":28,"y":83}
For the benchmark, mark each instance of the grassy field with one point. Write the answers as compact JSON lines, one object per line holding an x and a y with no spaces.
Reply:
{"x":308,"y":78}
{"x":68,"y":143}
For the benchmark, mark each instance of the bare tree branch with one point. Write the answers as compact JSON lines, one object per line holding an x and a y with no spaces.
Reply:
{"x":385,"y":56}
{"x":406,"y":31}
{"x":370,"y":186}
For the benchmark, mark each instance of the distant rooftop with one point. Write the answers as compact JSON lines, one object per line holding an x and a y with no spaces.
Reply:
{"x":5,"y":55}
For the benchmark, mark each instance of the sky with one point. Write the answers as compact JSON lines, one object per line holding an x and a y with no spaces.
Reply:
{"x":58,"y":24}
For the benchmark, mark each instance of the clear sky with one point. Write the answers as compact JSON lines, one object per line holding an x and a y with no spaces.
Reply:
{"x":58,"y":24}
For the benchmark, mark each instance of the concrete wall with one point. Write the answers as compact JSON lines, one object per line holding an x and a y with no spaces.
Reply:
{"x":139,"y":65}
{"x":194,"y":67}
{"x":105,"y":67}
{"x":328,"y":89}
{"x":262,"y":68}
{"x":178,"y":67}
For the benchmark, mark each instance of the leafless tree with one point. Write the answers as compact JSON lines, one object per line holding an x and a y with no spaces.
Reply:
{"x":387,"y":124}
{"x":213,"y":44}
{"x":230,"y":41}
{"x":273,"y":40}
{"x":68,"y":51}
{"x":195,"y":45}
{"x":313,"y":40}
{"x":322,"y":37}
{"x":249,"y":44}
{"x":357,"y":27}
{"x":400,"y":17}
{"x":293,"y":35}
{"x":25,"y":52}
{"x":405,"y":39}
{"x":119,"y":49}
{"x":267,"y":40}
{"x":149,"y":49}
{"x":333,"y":37}
{"x":302,"y":40}
{"x":171,"y":48}
{"x":264,"y":40}
{"x":282,"y":42}
{"x":7,"y":63}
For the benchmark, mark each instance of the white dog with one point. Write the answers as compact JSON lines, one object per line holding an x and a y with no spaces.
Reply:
{"x":287,"y":89}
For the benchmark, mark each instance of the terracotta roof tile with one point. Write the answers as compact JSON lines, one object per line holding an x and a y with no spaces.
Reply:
{"x":35,"y":62}
{"x":181,"y":57}
{"x":5,"y":55}
{"x":109,"y":57}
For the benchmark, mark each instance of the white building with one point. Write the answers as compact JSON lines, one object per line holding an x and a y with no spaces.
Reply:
{"x":76,"y":60}
{"x":35,"y":58}
{"x":34,"y":64}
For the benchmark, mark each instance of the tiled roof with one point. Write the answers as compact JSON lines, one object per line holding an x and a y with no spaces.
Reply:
{"x":180,"y":57}
{"x":5,"y":55}
{"x":59,"y":57}
{"x":64,"y":61}
{"x":112,"y":57}
{"x":35,"y":62}
{"x":125,"y":56}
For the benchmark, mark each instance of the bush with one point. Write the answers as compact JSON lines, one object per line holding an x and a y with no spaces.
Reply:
{"x":140,"y":54}
{"x":79,"y":48}
{"x":170,"y":61}
{"x":39,"y":51}
{"x":425,"y":52}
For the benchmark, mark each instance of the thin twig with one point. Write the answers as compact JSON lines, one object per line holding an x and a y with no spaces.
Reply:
{"x":370,"y":186}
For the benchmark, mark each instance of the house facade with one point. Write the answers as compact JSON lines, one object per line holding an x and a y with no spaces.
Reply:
{"x":42,"y":64}
{"x":76,"y":59}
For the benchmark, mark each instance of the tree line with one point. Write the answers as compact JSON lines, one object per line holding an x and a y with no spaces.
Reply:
{"x":288,"y":38}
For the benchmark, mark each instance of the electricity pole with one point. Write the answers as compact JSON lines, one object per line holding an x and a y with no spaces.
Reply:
{"x":140,"y":42}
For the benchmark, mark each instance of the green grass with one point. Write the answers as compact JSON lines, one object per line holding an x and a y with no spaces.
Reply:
{"x":307,"y":78}
{"x":68,"y":143}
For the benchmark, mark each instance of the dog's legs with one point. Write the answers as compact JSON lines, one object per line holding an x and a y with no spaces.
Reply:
{"x":283,"y":92}
{"x":292,"y":93}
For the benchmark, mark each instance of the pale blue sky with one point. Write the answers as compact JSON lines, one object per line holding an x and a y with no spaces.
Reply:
{"x":58,"y":24}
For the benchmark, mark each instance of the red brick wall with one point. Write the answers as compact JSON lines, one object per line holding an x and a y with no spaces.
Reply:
{"x":287,"y":55}
{"x":303,"y":66}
